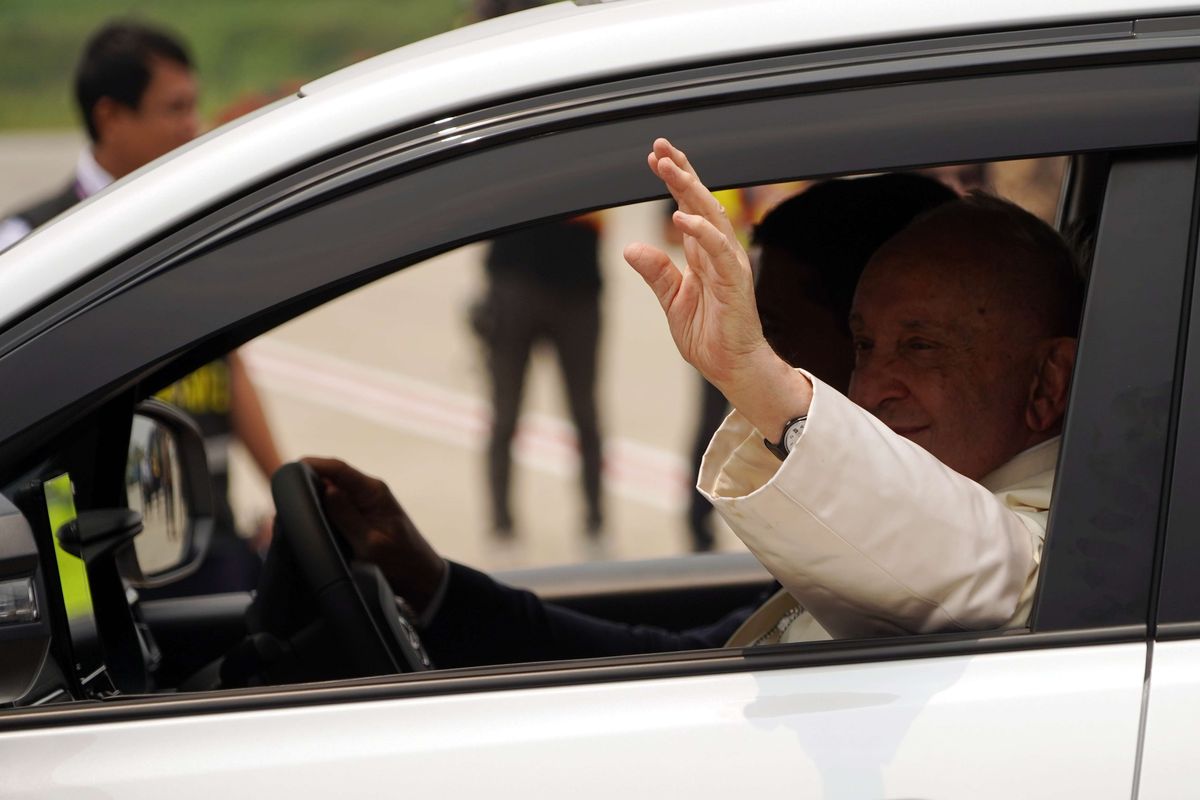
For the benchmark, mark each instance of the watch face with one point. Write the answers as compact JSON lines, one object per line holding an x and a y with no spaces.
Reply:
{"x":792,"y":434}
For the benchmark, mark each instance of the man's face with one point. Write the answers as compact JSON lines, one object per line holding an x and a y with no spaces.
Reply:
{"x":942,"y":357}
{"x":164,"y":119}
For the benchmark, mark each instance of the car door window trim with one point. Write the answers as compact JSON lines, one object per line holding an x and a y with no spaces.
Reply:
{"x":564,"y":673}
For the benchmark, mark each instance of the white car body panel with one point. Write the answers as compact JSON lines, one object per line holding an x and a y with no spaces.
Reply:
{"x":463,"y":69}
{"x":1169,"y":743}
{"x":987,"y":726}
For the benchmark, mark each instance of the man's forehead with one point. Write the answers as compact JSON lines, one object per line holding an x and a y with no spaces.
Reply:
{"x":908,"y":318}
{"x":912,"y":293}
{"x":164,"y":70}
{"x":931,"y":263}
{"x":920,"y":278}
{"x":929,"y":256}
{"x":949,"y":238}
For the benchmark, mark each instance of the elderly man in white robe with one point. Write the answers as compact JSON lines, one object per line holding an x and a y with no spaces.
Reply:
{"x":919,"y":502}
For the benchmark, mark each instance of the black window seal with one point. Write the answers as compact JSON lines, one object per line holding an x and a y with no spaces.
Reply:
{"x":1173,"y":631}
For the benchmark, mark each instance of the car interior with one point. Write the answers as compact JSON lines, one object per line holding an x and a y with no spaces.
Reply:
{"x":119,"y":631}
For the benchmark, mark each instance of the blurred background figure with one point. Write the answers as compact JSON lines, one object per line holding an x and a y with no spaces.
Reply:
{"x":222,"y":399}
{"x":543,"y":286}
{"x":809,"y":252}
{"x":137,"y":93}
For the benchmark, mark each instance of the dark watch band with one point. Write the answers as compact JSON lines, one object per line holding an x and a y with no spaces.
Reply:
{"x":791,"y":432}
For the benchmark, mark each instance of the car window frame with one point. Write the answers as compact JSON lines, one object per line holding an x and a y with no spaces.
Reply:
{"x":1120,"y":413}
{"x":109,"y":296}
{"x":1177,"y":602}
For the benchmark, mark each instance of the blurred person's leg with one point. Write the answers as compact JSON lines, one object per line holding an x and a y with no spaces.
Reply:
{"x":514,"y":320}
{"x":713,"y":410}
{"x":576,"y":335}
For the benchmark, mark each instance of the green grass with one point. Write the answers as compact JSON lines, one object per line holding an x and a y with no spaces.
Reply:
{"x":240,"y":47}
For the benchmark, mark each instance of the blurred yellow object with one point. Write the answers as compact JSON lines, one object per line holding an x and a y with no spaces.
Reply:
{"x":72,"y":572}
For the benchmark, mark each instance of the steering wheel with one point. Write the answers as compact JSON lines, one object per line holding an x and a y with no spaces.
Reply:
{"x":318,"y":612}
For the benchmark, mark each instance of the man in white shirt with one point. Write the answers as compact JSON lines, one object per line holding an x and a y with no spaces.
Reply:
{"x":136,"y":93}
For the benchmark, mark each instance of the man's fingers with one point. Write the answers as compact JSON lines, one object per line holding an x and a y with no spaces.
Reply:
{"x":337,"y":480}
{"x":348,"y":521}
{"x":663,"y":148}
{"x":334,"y":471}
{"x":657,"y":270}
{"x":327,"y":467}
{"x":692,"y":195}
{"x":674,"y":169}
{"x":664,"y":152}
{"x":719,"y":246}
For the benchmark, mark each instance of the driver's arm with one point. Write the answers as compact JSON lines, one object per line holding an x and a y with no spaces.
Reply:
{"x":467,"y":618}
{"x":481,"y":621}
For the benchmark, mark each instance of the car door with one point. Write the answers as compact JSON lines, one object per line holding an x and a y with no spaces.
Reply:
{"x":1036,"y":713}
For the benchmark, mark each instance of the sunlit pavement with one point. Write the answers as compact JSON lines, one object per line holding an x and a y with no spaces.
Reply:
{"x":390,"y":378}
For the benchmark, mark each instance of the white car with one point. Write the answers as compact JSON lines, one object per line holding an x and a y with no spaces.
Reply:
{"x":545,"y":114}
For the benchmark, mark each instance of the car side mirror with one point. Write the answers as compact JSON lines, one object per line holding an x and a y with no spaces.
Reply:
{"x":168,"y":483}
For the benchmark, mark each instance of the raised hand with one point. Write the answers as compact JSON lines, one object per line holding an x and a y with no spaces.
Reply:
{"x":709,"y":303}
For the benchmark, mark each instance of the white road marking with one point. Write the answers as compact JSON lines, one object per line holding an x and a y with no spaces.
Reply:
{"x":632,"y":469}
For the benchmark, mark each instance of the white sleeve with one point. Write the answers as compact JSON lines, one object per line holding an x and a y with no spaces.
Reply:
{"x":871,"y":533}
{"x":12,"y":230}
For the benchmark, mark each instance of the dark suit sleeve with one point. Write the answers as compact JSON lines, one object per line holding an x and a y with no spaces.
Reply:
{"x":482,"y":622}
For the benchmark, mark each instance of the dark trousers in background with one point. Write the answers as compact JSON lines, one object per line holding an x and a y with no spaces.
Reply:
{"x":514,"y":317}
{"x":713,"y":410}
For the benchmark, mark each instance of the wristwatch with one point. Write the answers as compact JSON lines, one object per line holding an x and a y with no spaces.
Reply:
{"x":787,"y":440}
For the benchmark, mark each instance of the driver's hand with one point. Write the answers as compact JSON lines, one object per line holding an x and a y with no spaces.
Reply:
{"x":364,"y":510}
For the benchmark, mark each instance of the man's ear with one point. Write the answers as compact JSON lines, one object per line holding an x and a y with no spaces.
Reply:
{"x":1051,"y":381}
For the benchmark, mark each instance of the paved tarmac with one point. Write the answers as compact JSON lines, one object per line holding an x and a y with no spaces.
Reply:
{"x":390,"y":378}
